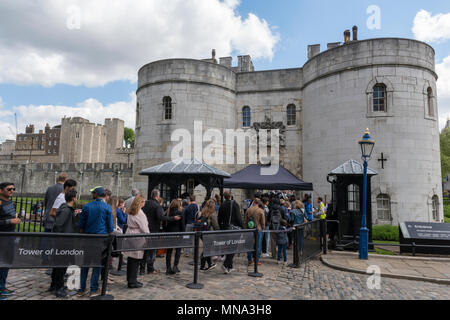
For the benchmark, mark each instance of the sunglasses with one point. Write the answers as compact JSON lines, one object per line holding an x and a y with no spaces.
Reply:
{"x":11,"y":189}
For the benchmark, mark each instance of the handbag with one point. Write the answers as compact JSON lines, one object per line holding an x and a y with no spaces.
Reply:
{"x":230,"y":225}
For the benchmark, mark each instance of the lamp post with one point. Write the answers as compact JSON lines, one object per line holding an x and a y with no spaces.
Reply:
{"x":367,"y":145}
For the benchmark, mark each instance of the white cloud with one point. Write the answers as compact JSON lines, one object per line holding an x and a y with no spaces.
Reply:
{"x":431,"y":28}
{"x":117,"y":37}
{"x":90,"y":109}
{"x":443,"y":91}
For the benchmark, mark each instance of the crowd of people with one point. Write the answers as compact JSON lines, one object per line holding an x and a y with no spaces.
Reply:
{"x":273,"y":215}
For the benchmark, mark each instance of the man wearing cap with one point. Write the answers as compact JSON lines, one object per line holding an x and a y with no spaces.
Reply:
{"x":96,"y":218}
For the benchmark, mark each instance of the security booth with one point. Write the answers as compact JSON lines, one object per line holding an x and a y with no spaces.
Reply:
{"x":347,"y":202}
{"x":169,"y":177}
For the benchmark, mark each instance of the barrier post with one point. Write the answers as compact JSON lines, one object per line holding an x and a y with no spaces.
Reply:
{"x":195,"y":284}
{"x":103,"y":295}
{"x":413,"y":248}
{"x":255,"y":273}
{"x":296,"y":262}
{"x":324,"y":239}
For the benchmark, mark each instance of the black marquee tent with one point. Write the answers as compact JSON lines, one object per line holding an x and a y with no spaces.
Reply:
{"x":251,"y":177}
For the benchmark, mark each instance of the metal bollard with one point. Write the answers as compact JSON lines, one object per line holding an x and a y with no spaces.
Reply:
{"x":325,"y":243}
{"x":195,"y":284}
{"x":256,"y":274}
{"x":296,"y":262}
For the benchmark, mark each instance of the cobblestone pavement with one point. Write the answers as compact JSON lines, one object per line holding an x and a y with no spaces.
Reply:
{"x":433,"y":269}
{"x":312,"y":281}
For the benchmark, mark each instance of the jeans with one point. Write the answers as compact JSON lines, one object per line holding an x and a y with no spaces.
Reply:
{"x":169,"y":257}
{"x":251,"y":254}
{"x":282,"y":247}
{"x":301,"y":240}
{"x":58,"y":278}
{"x":132,"y":270}
{"x":228,"y":263}
{"x":3,"y":276}
{"x":94,"y":278}
{"x":149,"y":259}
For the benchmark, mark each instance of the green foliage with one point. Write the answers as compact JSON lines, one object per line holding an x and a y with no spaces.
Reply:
{"x":128,"y":137}
{"x":385,"y":232}
{"x":445,"y":152}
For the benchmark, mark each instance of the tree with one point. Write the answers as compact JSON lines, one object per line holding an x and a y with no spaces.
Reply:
{"x":128,"y":137}
{"x":445,"y":152}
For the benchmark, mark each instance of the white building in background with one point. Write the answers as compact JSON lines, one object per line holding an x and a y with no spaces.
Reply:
{"x":322,"y":109}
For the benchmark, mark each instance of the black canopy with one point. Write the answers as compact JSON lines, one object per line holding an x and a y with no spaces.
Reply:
{"x":251,"y":178}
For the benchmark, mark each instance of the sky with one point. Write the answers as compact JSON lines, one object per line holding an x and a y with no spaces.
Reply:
{"x":81,"y":57}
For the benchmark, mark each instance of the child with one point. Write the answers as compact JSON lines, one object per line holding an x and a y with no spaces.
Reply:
{"x":282,"y":241}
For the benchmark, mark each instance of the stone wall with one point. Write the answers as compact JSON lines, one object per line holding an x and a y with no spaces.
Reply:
{"x":337,"y":108}
{"x":33,"y":179}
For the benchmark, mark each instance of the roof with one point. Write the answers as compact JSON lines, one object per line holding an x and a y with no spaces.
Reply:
{"x":252,"y":177}
{"x":352,"y":167}
{"x":184,"y":167}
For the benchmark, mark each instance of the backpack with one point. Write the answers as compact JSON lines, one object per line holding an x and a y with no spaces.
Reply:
{"x":275,"y":220}
{"x":251,"y":224}
{"x":199,"y":224}
{"x":297,"y":216}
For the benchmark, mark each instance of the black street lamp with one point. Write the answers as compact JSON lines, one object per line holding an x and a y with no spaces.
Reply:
{"x":367,"y":145}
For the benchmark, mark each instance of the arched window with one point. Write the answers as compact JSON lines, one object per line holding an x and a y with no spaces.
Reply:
{"x":167,"y":103}
{"x":430,"y":102}
{"x":291,"y":115}
{"x":246,"y":117}
{"x":379,"y":97}
{"x":435,"y":207}
{"x":384,"y":207}
{"x":353,"y":197}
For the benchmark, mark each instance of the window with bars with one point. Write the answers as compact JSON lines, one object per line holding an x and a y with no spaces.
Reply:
{"x":384,"y":207}
{"x":167,"y":103}
{"x":291,"y":115}
{"x":379,"y":98}
{"x":435,"y":207}
{"x":246,"y":116}
{"x":353,"y":197}
{"x":430,"y":102}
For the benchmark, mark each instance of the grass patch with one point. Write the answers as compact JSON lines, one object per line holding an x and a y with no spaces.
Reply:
{"x":385,"y":232}
{"x":446,"y":220}
{"x":384,"y":252}
{"x":29,"y":227}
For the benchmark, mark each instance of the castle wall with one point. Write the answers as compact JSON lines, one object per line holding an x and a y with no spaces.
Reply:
{"x":200,"y":91}
{"x":36,"y":177}
{"x":337,"y":102}
{"x":268,"y":93}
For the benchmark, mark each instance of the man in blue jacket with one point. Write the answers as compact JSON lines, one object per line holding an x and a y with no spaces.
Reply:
{"x":96,"y":218}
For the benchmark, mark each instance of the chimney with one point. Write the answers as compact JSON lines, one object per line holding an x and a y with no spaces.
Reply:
{"x":313,"y":50}
{"x":355,"y":33}
{"x":347,"y":36}
{"x":226,"y":61}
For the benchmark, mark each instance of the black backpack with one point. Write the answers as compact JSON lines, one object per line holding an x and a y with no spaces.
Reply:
{"x":275,"y":221}
{"x":251,"y":224}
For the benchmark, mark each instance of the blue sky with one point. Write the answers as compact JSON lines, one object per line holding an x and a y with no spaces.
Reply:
{"x":50,"y":70}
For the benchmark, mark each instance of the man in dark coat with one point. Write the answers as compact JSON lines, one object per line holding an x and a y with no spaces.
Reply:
{"x":65,"y":222}
{"x":229,"y":214}
{"x":155,"y":214}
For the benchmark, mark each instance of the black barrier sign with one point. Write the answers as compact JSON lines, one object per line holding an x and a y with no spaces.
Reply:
{"x":425,"y":230}
{"x":18,"y":251}
{"x":155,"y":241}
{"x":216,"y":244}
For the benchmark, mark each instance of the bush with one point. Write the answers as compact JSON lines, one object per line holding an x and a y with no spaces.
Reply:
{"x":446,"y":209}
{"x":385,"y":232}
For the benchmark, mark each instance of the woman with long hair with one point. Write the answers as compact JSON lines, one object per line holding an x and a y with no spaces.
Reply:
{"x":137,"y":224}
{"x":208,"y":215}
{"x":175,"y":209}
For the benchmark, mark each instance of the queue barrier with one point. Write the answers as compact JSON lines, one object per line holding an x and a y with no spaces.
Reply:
{"x":54,"y":250}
